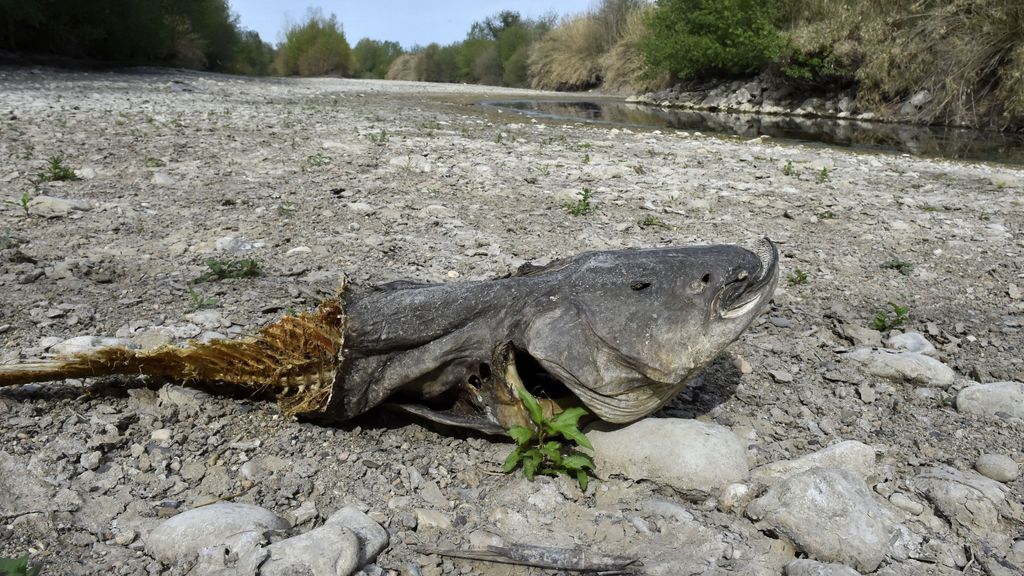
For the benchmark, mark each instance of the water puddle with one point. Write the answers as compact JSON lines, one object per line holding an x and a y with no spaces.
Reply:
{"x":939,"y":142}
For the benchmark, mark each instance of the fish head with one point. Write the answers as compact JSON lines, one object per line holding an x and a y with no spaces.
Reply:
{"x":625,"y":330}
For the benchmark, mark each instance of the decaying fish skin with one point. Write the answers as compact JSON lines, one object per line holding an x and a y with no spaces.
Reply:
{"x":620,"y":332}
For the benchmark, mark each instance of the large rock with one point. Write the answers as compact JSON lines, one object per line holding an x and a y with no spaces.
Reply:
{"x":911,"y":342}
{"x":971,"y":502}
{"x":831,"y":515}
{"x":344,"y":544}
{"x":695,"y":458}
{"x":185,"y":534}
{"x":53,"y":207}
{"x":902,"y":366}
{"x":991,"y":399}
{"x":850,"y":455}
{"x":805,"y":567}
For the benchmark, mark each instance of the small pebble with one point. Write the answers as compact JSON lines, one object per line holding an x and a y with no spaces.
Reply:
{"x":161,"y":435}
{"x":997,"y":467}
{"x":90,"y":460}
{"x":781,"y":376}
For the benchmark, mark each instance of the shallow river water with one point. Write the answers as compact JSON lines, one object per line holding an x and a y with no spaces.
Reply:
{"x":930,"y":141}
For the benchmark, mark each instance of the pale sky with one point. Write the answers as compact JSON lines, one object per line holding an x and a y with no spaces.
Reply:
{"x":408,"y":22}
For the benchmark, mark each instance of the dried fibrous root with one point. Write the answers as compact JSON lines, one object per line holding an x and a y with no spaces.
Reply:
{"x":293,"y":360}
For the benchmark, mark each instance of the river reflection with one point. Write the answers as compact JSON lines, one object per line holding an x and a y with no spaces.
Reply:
{"x":943,"y":142}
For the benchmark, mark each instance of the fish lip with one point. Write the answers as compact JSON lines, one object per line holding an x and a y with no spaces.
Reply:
{"x":742,"y":296}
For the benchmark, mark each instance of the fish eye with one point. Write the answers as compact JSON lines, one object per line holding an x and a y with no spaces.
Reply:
{"x":639,"y":284}
{"x":698,"y":286}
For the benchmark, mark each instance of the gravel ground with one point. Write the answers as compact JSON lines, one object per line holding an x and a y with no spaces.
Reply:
{"x":322,"y":179}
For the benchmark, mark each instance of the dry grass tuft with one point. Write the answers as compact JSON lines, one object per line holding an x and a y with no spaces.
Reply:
{"x":407,"y":67}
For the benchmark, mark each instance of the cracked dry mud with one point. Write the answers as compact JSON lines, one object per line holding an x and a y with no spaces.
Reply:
{"x":323,"y":179}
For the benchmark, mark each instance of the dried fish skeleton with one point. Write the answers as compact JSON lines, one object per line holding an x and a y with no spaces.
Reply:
{"x":620,"y":332}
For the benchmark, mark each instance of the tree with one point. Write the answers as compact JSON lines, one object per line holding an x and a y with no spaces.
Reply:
{"x":316,"y":47}
{"x":373,"y":57}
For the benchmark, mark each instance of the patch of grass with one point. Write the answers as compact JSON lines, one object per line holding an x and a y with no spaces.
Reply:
{"x":152,"y":162}
{"x":901,"y":266}
{"x":586,"y":158}
{"x":56,"y":170}
{"x":582,"y":205}
{"x":18,"y":567}
{"x":199,"y":301}
{"x":550,"y":446}
{"x":931,"y":208}
{"x":826,"y":215}
{"x":823,"y":175}
{"x":652,"y":222}
{"x":380,"y":138}
{"x":638,"y":168}
{"x":318,"y":159}
{"x":796,"y":277}
{"x":888,"y":319}
{"x":222,"y":269}
{"x":788,"y":169}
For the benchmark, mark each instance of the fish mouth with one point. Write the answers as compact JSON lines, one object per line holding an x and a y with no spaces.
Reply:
{"x":743,"y":295}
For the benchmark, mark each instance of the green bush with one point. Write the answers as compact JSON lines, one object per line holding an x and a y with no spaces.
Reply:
{"x":373,"y":57}
{"x":316,"y":47}
{"x":707,"y":38}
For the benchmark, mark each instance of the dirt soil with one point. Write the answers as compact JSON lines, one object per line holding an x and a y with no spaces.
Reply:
{"x":321,"y":180}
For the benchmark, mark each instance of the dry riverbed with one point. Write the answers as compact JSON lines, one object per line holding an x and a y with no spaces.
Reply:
{"x":864,"y":461}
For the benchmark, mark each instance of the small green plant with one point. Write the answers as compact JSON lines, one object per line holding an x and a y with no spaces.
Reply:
{"x":318,"y":159}
{"x":796,"y":277}
{"x":826,"y":215}
{"x":56,"y":171}
{"x":586,"y":158}
{"x":652,"y":222}
{"x":901,"y":266}
{"x":221,"y":269}
{"x":823,"y":175}
{"x":788,"y":169}
{"x":931,"y":208}
{"x":153,"y":162}
{"x":582,"y":205}
{"x":545,"y":447}
{"x":638,"y":168}
{"x":889,"y":319}
{"x":18,"y":567}
{"x":26,"y":197}
{"x":199,"y":301}
{"x":380,"y":138}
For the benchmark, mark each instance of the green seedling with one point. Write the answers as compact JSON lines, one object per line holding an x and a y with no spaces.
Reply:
{"x":586,"y":158}
{"x":582,"y":205}
{"x":796,"y":277}
{"x":318,"y":159}
{"x":826,"y":215}
{"x":901,"y":266}
{"x":153,"y":162}
{"x":550,"y":446}
{"x":381,"y":138}
{"x":652,"y":222}
{"x":18,"y":567}
{"x":788,"y":169}
{"x":56,"y":171}
{"x":199,"y":301}
{"x":887,"y":320}
{"x":222,"y":269}
{"x":823,"y":175}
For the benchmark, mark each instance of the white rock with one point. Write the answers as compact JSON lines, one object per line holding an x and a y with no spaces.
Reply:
{"x":903,"y":502}
{"x":805,"y":567}
{"x":438,"y":211}
{"x":691,"y":456}
{"x":52,"y":207}
{"x":80,"y":344}
{"x":90,"y":460}
{"x":298,"y":250}
{"x":346,"y":542}
{"x":431,"y":520}
{"x":161,"y":435}
{"x":829,"y":514}
{"x":85,"y":173}
{"x":997,"y":467}
{"x":990,"y":399}
{"x":232,"y":244}
{"x":185,"y":534}
{"x":849,"y":455}
{"x":902,"y":366}
{"x":360,"y":207}
{"x":971,"y":500}
{"x":209,"y":319}
{"x":911,"y":342}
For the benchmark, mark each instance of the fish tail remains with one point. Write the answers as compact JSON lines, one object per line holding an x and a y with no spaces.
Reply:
{"x":293,"y":360}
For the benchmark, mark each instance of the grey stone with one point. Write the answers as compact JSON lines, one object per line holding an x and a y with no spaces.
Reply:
{"x":90,"y":460}
{"x":432,"y":520}
{"x":185,"y":534}
{"x":80,"y":344}
{"x":831,"y":515}
{"x":970,"y":501}
{"x":21,"y":491}
{"x":693,"y":457}
{"x":805,"y":567}
{"x":992,"y":399}
{"x":849,"y":455}
{"x":903,"y":502}
{"x":861,"y":336}
{"x":902,"y":366}
{"x":998,"y":467}
{"x":346,"y":542}
{"x":911,"y":342}
{"x":781,"y":376}
{"x":52,"y":207}
{"x":432,"y":495}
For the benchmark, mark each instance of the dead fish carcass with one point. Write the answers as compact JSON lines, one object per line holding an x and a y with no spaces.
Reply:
{"x":619,"y":332}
